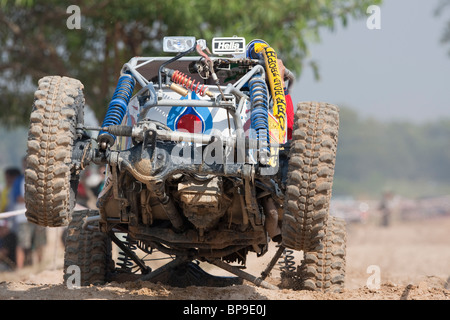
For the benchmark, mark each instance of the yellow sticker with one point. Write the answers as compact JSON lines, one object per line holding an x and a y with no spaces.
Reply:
{"x":274,"y":140}
{"x":276,"y":87}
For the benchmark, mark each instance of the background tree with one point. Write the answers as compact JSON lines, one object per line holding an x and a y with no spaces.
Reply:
{"x":442,"y":7}
{"x":35,"y":41}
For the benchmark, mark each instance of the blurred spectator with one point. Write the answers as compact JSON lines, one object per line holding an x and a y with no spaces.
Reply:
{"x":10,"y":175}
{"x":93,"y":182}
{"x":82,"y":196}
{"x":386,"y":209}
{"x":8,"y":243}
{"x":96,"y":179}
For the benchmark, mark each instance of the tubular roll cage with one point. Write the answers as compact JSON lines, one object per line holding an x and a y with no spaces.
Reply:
{"x":155,"y":152}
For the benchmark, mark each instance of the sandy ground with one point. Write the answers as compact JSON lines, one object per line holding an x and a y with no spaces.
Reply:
{"x":413,"y":260}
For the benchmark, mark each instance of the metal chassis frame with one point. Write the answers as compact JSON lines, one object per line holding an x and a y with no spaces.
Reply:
{"x":244,"y":171}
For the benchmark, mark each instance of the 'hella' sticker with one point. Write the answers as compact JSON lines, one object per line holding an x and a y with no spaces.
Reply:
{"x":228,"y":45}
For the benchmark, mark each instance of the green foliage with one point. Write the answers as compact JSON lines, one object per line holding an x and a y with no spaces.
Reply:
{"x":442,"y":7}
{"x":36,"y":42}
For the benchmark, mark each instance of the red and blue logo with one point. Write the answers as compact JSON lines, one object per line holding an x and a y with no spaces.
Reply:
{"x":190,"y":119}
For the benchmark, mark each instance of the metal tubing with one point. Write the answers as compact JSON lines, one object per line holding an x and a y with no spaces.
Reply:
{"x":177,"y":136}
{"x":272,"y":262}
{"x":142,"y":81}
{"x":191,"y":103}
{"x":88,"y":220}
{"x":130,"y":253}
{"x":172,"y":212}
{"x":240,"y":83}
{"x":247,"y":276}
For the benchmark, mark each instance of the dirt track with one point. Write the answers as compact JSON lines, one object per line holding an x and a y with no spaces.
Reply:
{"x":413,"y":258}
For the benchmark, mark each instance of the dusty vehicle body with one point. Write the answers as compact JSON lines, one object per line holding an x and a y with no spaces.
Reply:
{"x":198,"y":167}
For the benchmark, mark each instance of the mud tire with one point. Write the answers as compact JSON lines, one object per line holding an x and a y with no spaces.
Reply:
{"x":310,"y":175}
{"x":50,"y":183}
{"x":323,"y":269}
{"x":88,"y":250}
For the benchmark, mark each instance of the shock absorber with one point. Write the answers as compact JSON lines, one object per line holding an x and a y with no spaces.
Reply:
{"x":187,"y":82}
{"x":276,"y":86}
{"x":260,"y":115}
{"x":117,"y":108}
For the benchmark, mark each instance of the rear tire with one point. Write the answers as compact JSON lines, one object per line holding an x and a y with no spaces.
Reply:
{"x":50,"y":181}
{"x":310,"y":175}
{"x":88,"y":250}
{"x":324,"y":269}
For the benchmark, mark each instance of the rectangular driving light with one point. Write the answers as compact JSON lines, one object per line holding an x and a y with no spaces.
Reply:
{"x":178,"y":44}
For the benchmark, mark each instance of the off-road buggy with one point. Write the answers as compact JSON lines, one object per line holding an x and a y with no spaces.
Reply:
{"x":199,"y":167}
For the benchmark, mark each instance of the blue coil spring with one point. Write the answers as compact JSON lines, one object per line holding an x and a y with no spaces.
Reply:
{"x":260,"y":111}
{"x":118,"y":105}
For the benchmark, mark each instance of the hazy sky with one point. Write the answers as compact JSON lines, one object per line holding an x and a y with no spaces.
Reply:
{"x":400,"y":72}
